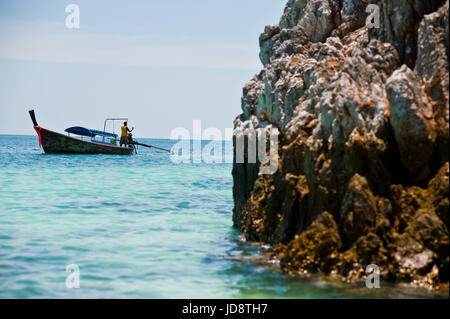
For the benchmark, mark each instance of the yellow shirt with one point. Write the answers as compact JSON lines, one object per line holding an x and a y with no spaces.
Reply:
{"x":124,"y":131}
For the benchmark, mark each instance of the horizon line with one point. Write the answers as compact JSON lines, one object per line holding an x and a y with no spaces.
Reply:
{"x":154,"y":138}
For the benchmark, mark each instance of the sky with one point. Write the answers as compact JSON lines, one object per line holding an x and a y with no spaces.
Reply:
{"x":162,"y":64}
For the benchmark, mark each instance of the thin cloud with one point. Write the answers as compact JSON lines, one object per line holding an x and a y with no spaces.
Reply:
{"x":46,"y":42}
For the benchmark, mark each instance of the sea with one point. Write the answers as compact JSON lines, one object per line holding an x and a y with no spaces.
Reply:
{"x":138,"y":226}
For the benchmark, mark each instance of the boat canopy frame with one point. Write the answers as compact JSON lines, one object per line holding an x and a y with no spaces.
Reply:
{"x":82,"y":131}
{"x":125,"y":119}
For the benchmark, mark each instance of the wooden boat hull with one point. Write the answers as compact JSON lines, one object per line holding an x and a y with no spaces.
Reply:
{"x":56,"y":143}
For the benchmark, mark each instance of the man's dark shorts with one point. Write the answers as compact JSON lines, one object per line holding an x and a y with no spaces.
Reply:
{"x":124,"y":140}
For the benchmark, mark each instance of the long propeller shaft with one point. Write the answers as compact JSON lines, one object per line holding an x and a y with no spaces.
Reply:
{"x":151,"y":146}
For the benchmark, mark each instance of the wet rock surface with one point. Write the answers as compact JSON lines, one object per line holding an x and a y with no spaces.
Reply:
{"x":363,"y":124}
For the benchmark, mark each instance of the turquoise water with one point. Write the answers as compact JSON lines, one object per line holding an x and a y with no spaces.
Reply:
{"x":137,"y":227}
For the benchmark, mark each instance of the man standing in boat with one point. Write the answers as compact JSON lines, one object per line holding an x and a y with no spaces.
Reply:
{"x":125,"y":138}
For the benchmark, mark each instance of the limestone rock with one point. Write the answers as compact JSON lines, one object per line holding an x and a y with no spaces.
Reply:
{"x":267,"y":41}
{"x":316,"y":17}
{"x":412,"y":258}
{"x":312,"y":249}
{"x":439,"y":187}
{"x":432,"y":67}
{"x":353,"y":15}
{"x":362,"y":116}
{"x":411,"y":119}
{"x":358,"y":211}
{"x":399,"y":20}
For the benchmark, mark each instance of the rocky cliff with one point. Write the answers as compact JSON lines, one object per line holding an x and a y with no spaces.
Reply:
{"x":363,"y":120}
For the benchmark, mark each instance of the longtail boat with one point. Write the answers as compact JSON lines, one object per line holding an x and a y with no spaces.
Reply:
{"x":53,"y":142}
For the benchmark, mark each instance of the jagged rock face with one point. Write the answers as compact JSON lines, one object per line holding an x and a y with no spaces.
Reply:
{"x":363,"y":124}
{"x":353,"y":14}
{"x":318,"y":18}
{"x":399,"y":20}
{"x":411,"y":119}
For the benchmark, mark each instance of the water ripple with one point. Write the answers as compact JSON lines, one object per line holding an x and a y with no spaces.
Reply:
{"x":136,"y":226}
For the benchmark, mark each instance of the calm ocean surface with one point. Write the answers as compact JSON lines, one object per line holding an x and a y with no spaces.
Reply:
{"x":137,"y":227}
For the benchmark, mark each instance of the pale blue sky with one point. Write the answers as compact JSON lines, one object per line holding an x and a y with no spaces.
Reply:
{"x":160,"y":63}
